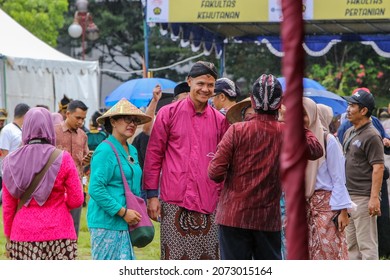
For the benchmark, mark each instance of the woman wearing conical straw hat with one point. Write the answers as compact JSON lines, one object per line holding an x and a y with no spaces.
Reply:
{"x":108,"y":217}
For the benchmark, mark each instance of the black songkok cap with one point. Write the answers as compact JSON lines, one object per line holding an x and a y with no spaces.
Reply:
{"x":203,"y":68}
{"x":180,"y":88}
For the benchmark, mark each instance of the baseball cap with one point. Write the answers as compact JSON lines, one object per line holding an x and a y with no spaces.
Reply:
{"x":362,"y":97}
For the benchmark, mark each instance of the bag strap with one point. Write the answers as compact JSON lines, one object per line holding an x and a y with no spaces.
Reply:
{"x":37,"y":179}
{"x":125,"y":184}
{"x":325,"y":141}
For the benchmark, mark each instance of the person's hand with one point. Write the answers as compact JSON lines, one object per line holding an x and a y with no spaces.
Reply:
{"x":374,"y":207}
{"x":154,"y":209}
{"x":157,"y":93}
{"x":87,"y":158}
{"x":343,"y":220}
{"x":7,"y":246}
{"x":132,"y":217}
{"x":386,"y":142}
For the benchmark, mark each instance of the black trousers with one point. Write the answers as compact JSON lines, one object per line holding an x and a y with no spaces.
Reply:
{"x":246,"y":244}
{"x":383,"y":221}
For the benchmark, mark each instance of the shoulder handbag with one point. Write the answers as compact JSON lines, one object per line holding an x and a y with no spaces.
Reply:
{"x":33,"y":185}
{"x":142,"y":233}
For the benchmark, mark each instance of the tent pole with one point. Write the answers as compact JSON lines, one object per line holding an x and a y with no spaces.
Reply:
{"x":146,"y":48}
{"x":222,"y":61}
{"x":4,"y":90}
{"x":54,"y":94}
{"x":101,"y":61}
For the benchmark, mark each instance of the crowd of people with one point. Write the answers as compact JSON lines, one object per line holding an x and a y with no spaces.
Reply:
{"x":208,"y":167}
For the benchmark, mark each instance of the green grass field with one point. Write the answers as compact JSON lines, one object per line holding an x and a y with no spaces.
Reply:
{"x":150,"y":252}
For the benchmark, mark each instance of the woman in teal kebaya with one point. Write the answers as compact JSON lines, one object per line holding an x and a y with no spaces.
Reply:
{"x":107,"y":217}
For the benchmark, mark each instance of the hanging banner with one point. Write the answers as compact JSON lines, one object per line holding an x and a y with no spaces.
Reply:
{"x":351,"y":9}
{"x":207,"y":10}
{"x":225,"y":11}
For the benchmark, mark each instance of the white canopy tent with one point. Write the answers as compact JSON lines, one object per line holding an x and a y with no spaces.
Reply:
{"x":34,"y":73}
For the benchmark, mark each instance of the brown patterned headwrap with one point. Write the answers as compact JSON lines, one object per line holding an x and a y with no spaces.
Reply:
{"x":266,"y":93}
{"x":203,"y":68}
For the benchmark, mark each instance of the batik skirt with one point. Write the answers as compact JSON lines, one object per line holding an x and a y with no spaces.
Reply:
{"x":64,"y":249}
{"x":325,"y":241}
{"x":284,"y":224}
{"x":111,"y":244}
{"x":187,"y":235}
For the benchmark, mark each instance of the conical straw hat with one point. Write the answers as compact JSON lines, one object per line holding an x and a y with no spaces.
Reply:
{"x":124,"y":108}
{"x":3,"y":114}
{"x":234,"y":113}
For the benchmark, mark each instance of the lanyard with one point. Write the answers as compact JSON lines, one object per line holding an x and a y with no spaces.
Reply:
{"x":17,"y":126}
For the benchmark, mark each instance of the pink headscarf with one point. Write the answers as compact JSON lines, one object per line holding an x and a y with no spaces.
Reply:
{"x":21,"y":166}
{"x":57,"y":118}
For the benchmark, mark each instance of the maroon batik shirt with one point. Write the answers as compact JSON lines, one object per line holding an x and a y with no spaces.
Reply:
{"x":248,"y":159}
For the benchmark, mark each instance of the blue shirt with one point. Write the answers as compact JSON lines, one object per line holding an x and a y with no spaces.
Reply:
{"x":347,"y":124}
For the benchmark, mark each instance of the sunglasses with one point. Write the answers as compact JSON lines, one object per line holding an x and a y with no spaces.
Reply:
{"x":130,"y":119}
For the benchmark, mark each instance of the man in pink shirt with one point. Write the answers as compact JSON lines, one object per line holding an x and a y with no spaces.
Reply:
{"x":183,"y":141}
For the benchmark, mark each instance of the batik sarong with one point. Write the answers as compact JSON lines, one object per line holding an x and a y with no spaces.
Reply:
{"x":187,"y":235}
{"x":111,"y":244}
{"x":325,"y":241}
{"x":64,"y":249}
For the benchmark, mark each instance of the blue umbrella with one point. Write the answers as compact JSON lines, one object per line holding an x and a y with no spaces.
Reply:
{"x":337,"y":103}
{"x":138,"y":91}
{"x":307,"y":83}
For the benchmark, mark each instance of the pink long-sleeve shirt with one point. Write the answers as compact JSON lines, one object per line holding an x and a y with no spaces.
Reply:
{"x":181,"y":145}
{"x":52,"y":220}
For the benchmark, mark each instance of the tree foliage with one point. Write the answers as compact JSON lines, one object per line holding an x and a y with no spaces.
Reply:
{"x":351,"y":65}
{"x":121,"y":41}
{"x":245,"y":62}
{"x":41,"y":17}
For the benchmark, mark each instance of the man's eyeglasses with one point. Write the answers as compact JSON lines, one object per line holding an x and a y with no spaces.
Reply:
{"x":131,"y":119}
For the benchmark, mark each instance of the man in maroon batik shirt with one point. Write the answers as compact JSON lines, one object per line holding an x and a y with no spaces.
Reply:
{"x":247,"y":158}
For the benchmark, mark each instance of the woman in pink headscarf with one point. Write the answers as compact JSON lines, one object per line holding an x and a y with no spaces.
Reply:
{"x":57,"y":118}
{"x":43,"y":227}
